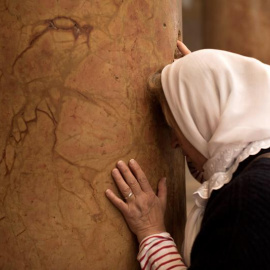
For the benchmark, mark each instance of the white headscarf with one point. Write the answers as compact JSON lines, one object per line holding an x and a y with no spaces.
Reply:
{"x":221,"y":103}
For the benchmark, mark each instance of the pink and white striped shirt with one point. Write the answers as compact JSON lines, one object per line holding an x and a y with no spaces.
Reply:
{"x":158,"y":251}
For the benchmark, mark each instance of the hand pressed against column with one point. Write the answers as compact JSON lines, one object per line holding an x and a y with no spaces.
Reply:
{"x":143,"y":210}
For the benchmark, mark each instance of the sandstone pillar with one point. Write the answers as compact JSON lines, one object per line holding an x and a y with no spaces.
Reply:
{"x":73,"y":101}
{"x":240,"y":26}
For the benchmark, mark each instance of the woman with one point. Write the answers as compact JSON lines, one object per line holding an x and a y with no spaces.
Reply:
{"x":218,"y":104}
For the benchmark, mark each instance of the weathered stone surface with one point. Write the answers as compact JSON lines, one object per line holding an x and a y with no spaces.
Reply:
{"x":73,"y":101}
{"x":240,"y":26}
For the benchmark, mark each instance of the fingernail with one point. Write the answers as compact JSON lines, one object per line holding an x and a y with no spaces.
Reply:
{"x":107,"y":191}
{"x":165,"y":180}
{"x":114,"y":171}
{"x":132,"y":161}
{"x":120,"y":162}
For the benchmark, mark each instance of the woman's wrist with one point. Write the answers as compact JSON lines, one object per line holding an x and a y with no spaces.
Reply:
{"x":144,"y":234}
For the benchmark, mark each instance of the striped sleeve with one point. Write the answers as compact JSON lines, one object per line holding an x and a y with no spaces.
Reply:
{"x":159,"y":252}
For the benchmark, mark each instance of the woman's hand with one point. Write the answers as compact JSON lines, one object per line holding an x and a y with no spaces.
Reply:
{"x":143,"y":210}
{"x":183,"y":48}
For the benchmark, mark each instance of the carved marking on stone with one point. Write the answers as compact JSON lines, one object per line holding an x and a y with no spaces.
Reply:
{"x":60,"y":23}
{"x":10,"y":156}
{"x":21,"y":124}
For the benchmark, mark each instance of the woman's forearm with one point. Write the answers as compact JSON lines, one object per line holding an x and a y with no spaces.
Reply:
{"x":159,"y":251}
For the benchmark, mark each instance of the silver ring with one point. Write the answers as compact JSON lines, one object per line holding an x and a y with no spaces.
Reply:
{"x":129,"y":195}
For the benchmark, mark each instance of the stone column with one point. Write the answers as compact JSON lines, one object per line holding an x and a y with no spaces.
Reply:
{"x":241,"y":26}
{"x":73,"y":101}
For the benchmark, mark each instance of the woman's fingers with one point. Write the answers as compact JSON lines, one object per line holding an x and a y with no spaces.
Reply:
{"x":129,"y":177}
{"x":183,"y":48}
{"x":117,"y":202}
{"x":121,"y":184}
{"x":140,"y":176}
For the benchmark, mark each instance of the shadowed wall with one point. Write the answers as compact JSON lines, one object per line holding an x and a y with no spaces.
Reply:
{"x":241,"y":26}
{"x":73,"y":101}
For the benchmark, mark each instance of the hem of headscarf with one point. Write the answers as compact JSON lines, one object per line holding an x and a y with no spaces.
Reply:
{"x":219,"y":179}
